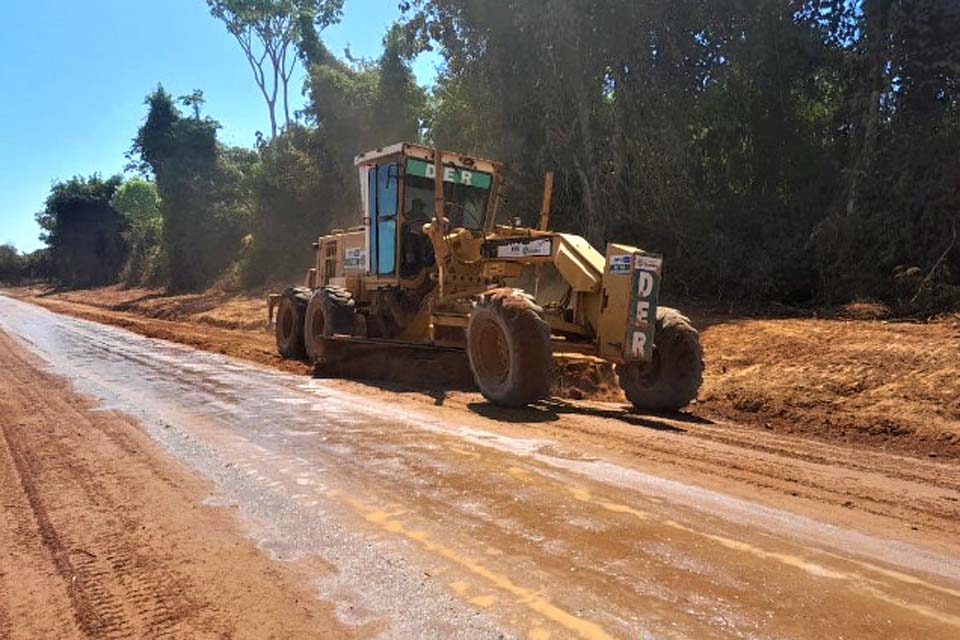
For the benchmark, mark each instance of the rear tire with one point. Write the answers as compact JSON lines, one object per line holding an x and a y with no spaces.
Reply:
{"x":509,"y":347}
{"x":670,"y":381}
{"x":289,"y":327}
{"x":331,"y":311}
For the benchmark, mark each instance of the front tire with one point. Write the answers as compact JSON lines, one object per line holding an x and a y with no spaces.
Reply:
{"x":289,"y":327}
{"x":331,"y":311}
{"x":671,"y":380}
{"x":509,"y":348}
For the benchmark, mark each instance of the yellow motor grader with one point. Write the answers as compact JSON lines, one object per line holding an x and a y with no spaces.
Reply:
{"x":429,"y":265}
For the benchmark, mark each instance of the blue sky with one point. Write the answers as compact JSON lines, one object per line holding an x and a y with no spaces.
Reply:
{"x":75,"y":75}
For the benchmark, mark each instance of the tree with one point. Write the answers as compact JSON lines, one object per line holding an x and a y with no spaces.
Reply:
{"x":204,"y":189}
{"x":37,"y":265}
{"x":293,"y":198}
{"x":12,"y":264}
{"x":399,"y":103}
{"x":138,"y":201}
{"x":266,"y":31}
{"x":769,"y":149}
{"x":83,"y":231}
{"x":801,"y":151}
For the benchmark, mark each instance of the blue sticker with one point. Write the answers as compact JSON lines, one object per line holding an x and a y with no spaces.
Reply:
{"x":621,"y":264}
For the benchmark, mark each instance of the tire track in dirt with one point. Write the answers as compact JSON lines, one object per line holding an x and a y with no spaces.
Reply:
{"x":85,"y":488}
{"x":5,"y":624}
{"x":772,"y":474}
{"x":91,"y":621}
{"x":21,"y":537}
{"x":922,"y":494}
{"x":795,"y":447}
{"x":90,"y":575}
{"x":102,"y":583}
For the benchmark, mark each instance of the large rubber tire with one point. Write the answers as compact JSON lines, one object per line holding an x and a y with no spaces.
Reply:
{"x":509,"y":347}
{"x":331,"y":311}
{"x":673,"y":377}
{"x":289,"y":327}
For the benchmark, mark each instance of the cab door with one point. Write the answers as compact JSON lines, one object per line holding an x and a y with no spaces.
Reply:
{"x":383,"y":195}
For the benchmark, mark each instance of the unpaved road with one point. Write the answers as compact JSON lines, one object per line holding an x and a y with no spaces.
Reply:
{"x":410,"y":520}
{"x":102,"y":535}
{"x":873,"y":384}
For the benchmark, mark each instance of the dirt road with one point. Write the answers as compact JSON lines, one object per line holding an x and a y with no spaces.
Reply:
{"x":450,"y":518}
{"x":892,"y":386}
{"x":102,"y":535}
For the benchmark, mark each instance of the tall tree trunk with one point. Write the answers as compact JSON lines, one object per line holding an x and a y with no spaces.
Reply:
{"x":877,"y":26}
{"x":286,"y":103}
{"x":272,"y":109}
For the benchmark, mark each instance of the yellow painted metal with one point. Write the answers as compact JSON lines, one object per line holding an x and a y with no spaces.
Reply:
{"x":614,"y":308}
{"x":595,"y":310}
{"x":578,"y":262}
{"x":340,"y":257}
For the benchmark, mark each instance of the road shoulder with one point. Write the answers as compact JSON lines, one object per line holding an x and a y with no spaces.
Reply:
{"x":103,"y":535}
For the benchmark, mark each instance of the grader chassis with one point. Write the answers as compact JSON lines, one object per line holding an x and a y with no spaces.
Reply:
{"x":450,"y":277}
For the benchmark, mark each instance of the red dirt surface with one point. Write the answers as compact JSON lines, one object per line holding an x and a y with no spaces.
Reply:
{"x":102,"y":534}
{"x":886,"y":384}
{"x":873,"y":383}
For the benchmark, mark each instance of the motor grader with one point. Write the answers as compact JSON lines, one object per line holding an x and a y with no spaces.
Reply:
{"x":429,"y":265}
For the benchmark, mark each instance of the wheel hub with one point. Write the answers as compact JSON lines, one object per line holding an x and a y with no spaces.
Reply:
{"x":493,"y":353}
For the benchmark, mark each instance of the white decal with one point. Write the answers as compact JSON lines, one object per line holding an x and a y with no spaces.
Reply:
{"x":645,"y":284}
{"x":643,"y":310}
{"x":354,"y":258}
{"x":621,"y":263}
{"x":639,"y":343}
{"x":540,"y":247}
{"x":652,"y":263}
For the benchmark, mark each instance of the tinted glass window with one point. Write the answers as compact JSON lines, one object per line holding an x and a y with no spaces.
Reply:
{"x":387,"y":192}
{"x":465,"y":192}
{"x":372,"y":205}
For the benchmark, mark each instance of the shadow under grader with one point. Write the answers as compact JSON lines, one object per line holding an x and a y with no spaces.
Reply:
{"x":533,"y":413}
{"x":403,"y":369}
{"x":551,"y":410}
{"x":399,"y":368}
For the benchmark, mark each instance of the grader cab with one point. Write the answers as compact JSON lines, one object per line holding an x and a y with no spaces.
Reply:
{"x":429,"y":265}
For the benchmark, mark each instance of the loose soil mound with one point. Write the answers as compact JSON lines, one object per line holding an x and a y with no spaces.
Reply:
{"x":889,"y":384}
{"x":215,"y":308}
{"x":864,"y":310}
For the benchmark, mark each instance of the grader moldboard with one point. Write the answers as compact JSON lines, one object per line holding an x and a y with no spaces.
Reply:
{"x":430,"y":266}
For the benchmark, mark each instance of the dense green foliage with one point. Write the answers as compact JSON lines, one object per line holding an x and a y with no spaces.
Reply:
{"x":204,"y":189}
{"x":20,"y":268}
{"x":772,"y":150}
{"x":11,"y":264}
{"x":138,"y":202}
{"x":84,"y":232}
{"x":308,"y":183}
